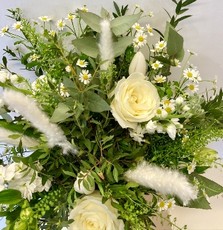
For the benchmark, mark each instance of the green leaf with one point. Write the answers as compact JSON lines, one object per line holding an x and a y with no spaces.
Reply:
{"x":4,"y":60}
{"x":174,"y":42}
{"x":122,"y":24}
{"x":121,"y":45}
{"x":87,"y":45}
{"x":61,"y":113}
{"x":91,"y":20}
{"x":104,"y":13}
{"x":211,"y":188}
{"x":201,"y":202}
{"x":10,"y":196}
{"x":95,"y":103}
{"x":115,"y":174}
{"x":188,"y":2}
{"x":69,"y":173}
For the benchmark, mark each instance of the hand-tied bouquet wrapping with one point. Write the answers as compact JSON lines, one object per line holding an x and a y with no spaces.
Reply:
{"x":103,"y":138}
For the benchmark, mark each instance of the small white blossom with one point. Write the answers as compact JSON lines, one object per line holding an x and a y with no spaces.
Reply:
{"x":4,"y":75}
{"x":17,"y":25}
{"x":137,"y":134}
{"x":191,"y":167}
{"x":159,"y":79}
{"x":171,"y":203}
{"x":139,"y":40}
{"x":161,"y":113}
{"x":192,"y":87}
{"x":162,"y":205}
{"x":45,"y":18}
{"x":84,"y":9}
{"x":71,"y":16}
{"x":4,"y":30}
{"x":159,"y":46}
{"x":82,"y":63}
{"x":149,"y":30}
{"x":52,"y":33}
{"x":68,"y":69}
{"x":60,"y":24}
{"x":138,"y":27}
{"x":192,"y":74}
{"x":63,"y":91}
{"x":157,"y":65}
{"x":179,"y":100}
{"x":176,"y":62}
{"x":85,"y":77}
{"x":151,"y":126}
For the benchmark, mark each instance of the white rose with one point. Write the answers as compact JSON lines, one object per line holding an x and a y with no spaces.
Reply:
{"x":79,"y":183}
{"x":135,"y":100}
{"x":138,"y":64}
{"x":91,"y":214}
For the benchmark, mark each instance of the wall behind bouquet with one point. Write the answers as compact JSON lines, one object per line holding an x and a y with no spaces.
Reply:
{"x":202,"y":33}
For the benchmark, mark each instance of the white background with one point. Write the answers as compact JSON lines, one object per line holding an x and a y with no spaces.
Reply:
{"x":203,"y":35}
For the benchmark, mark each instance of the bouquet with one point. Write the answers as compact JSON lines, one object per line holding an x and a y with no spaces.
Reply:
{"x":104,"y":137}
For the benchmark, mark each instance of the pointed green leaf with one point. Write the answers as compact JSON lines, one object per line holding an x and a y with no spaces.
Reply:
{"x":87,"y":45}
{"x":201,"y":202}
{"x":122,"y":24}
{"x":95,"y":103}
{"x":91,"y":19}
{"x":211,"y":188}
{"x":121,"y":45}
{"x":174,"y":42}
{"x":61,"y":113}
{"x":115,"y":174}
{"x":10,"y":196}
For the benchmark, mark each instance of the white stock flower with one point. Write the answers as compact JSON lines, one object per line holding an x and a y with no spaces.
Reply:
{"x":79,"y":183}
{"x":138,"y":64}
{"x":171,"y":130}
{"x":135,"y":101}
{"x":151,"y":126}
{"x":4,"y":75}
{"x":90,"y":213}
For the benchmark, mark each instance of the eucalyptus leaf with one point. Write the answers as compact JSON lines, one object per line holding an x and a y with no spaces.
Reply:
{"x":10,"y":196}
{"x":87,"y":45}
{"x":122,"y":24}
{"x":174,"y":42}
{"x":121,"y":45}
{"x":91,"y":19}
{"x":61,"y":113}
{"x":95,"y":103}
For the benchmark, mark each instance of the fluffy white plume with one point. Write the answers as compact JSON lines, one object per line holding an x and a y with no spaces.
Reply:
{"x":27,"y":107}
{"x":27,"y":142}
{"x":162,"y":180}
{"x":106,"y":45}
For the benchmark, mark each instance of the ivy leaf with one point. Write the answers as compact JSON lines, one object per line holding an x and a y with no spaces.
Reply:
{"x":95,"y":103}
{"x":122,"y":24}
{"x":87,"y":45}
{"x":10,"y":196}
{"x":91,"y":20}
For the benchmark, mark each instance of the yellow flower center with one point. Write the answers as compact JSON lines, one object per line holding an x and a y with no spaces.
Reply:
{"x":141,"y":39}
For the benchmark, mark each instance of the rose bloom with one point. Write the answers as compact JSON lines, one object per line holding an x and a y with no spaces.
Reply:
{"x":91,"y":214}
{"x":135,"y":100}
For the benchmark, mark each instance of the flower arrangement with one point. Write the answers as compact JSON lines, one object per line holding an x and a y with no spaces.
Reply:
{"x":104,"y":138}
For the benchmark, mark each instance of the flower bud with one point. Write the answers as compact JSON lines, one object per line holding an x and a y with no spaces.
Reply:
{"x":138,"y":64}
{"x":84,"y":183}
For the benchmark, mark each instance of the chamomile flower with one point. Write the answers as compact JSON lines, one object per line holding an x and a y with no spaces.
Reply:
{"x":85,"y":76}
{"x":34,"y":57}
{"x":159,"y":46}
{"x":63,"y":91}
{"x":161,"y":113}
{"x":139,"y":40}
{"x":176,"y":62}
{"x":17,"y":25}
{"x":162,"y":205}
{"x":45,"y":18}
{"x":168,"y":105}
{"x":52,"y":33}
{"x":138,"y":27}
{"x":82,"y":63}
{"x":84,"y":8}
{"x":191,"y":167}
{"x":159,"y":79}
{"x":192,"y":74}
{"x":171,"y":203}
{"x":192,"y":87}
{"x":71,"y":16}
{"x":60,"y":24}
{"x":4,"y":30}
{"x":149,"y":30}
{"x":157,"y":65}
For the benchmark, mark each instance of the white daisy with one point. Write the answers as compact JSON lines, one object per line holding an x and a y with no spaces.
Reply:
{"x":17,"y":25}
{"x":85,"y":77}
{"x":192,"y":74}
{"x":157,"y":65}
{"x":149,"y":30}
{"x":159,"y":79}
{"x":63,"y":91}
{"x":60,"y":24}
{"x":4,"y":30}
{"x":52,"y":33}
{"x":71,"y":16}
{"x":68,"y":69}
{"x":138,"y":27}
{"x":140,"y":39}
{"x":84,"y":8}
{"x":159,"y":46}
{"x":82,"y":63}
{"x":161,"y":113}
{"x":45,"y":18}
{"x":192,"y":87}
{"x":162,"y":205}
